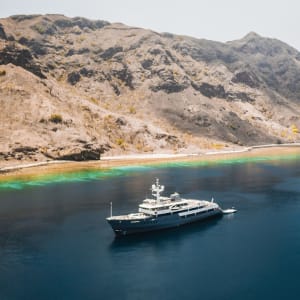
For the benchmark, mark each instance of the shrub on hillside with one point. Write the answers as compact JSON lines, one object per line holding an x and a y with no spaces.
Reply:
{"x":55,"y":118}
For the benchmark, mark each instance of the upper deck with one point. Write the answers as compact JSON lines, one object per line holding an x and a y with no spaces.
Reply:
{"x":159,"y":206}
{"x":151,"y":207}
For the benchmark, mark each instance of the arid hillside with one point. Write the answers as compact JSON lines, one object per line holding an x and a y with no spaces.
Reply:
{"x":73,"y":88}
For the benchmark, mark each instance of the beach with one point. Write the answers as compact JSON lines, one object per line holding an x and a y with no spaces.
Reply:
{"x":33,"y":170}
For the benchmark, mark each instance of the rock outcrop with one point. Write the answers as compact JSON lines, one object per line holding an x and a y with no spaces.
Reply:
{"x":135,"y":90}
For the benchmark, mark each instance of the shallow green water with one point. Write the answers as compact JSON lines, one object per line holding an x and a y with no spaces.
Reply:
{"x":88,"y":175}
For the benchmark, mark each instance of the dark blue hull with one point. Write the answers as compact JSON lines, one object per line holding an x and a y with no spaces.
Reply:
{"x":125,"y":227}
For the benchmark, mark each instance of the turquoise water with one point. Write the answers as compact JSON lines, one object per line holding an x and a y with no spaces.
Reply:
{"x":120,"y":171}
{"x":56,"y":244}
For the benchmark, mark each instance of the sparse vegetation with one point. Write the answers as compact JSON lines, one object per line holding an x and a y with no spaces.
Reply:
{"x":106,"y":106}
{"x":120,"y":141}
{"x":2,"y":72}
{"x":81,"y":38}
{"x":94,"y":100}
{"x":217,"y":146}
{"x":139,"y":146}
{"x":233,"y":126}
{"x":56,"y":118}
{"x":85,"y":108}
{"x":148,"y":149}
{"x":132,"y":110}
{"x":294,"y":129}
{"x":283,"y":133}
{"x":39,"y":28}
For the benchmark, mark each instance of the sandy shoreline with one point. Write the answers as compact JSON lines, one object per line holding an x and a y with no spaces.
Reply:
{"x":57,"y":167}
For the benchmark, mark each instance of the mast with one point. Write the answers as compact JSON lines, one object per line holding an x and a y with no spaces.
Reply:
{"x":156,"y":190}
{"x":110,"y":209}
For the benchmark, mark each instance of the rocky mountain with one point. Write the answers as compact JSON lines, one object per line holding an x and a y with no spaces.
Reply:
{"x":72,"y":88}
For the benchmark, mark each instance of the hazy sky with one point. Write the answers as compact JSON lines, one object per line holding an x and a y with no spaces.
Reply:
{"x":220,"y":20}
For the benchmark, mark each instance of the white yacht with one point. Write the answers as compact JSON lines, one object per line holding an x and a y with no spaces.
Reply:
{"x":163,"y":212}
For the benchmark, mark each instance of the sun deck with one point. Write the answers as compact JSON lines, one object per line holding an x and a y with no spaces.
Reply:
{"x":167,"y":203}
{"x":135,"y":216}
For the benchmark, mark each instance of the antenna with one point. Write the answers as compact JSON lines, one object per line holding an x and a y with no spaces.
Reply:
{"x":156,"y":190}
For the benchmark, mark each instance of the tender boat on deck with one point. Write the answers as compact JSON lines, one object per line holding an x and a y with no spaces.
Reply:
{"x":163,"y":212}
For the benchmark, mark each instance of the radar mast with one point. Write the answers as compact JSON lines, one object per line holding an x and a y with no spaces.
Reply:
{"x":156,"y":190}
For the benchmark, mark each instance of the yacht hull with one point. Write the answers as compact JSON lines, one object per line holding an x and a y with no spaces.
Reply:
{"x":125,"y":227}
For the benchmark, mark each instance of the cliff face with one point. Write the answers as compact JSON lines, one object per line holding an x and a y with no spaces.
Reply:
{"x":74,"y":88}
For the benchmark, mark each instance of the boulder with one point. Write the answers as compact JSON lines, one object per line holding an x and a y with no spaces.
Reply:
{"x":2,"y":33}
{"x":210,"y":90}
{"x":80,"y":155}
{"x":110,"y":52}
{"x":22,"y":57}
{"x":246,"y":78}
{"x":73,"y":77}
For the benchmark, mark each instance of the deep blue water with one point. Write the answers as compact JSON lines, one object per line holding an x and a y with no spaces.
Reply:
{"x":56,"y":244}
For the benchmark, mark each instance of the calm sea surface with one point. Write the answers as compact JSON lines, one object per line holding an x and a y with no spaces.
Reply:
{"x":56,"y":244}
